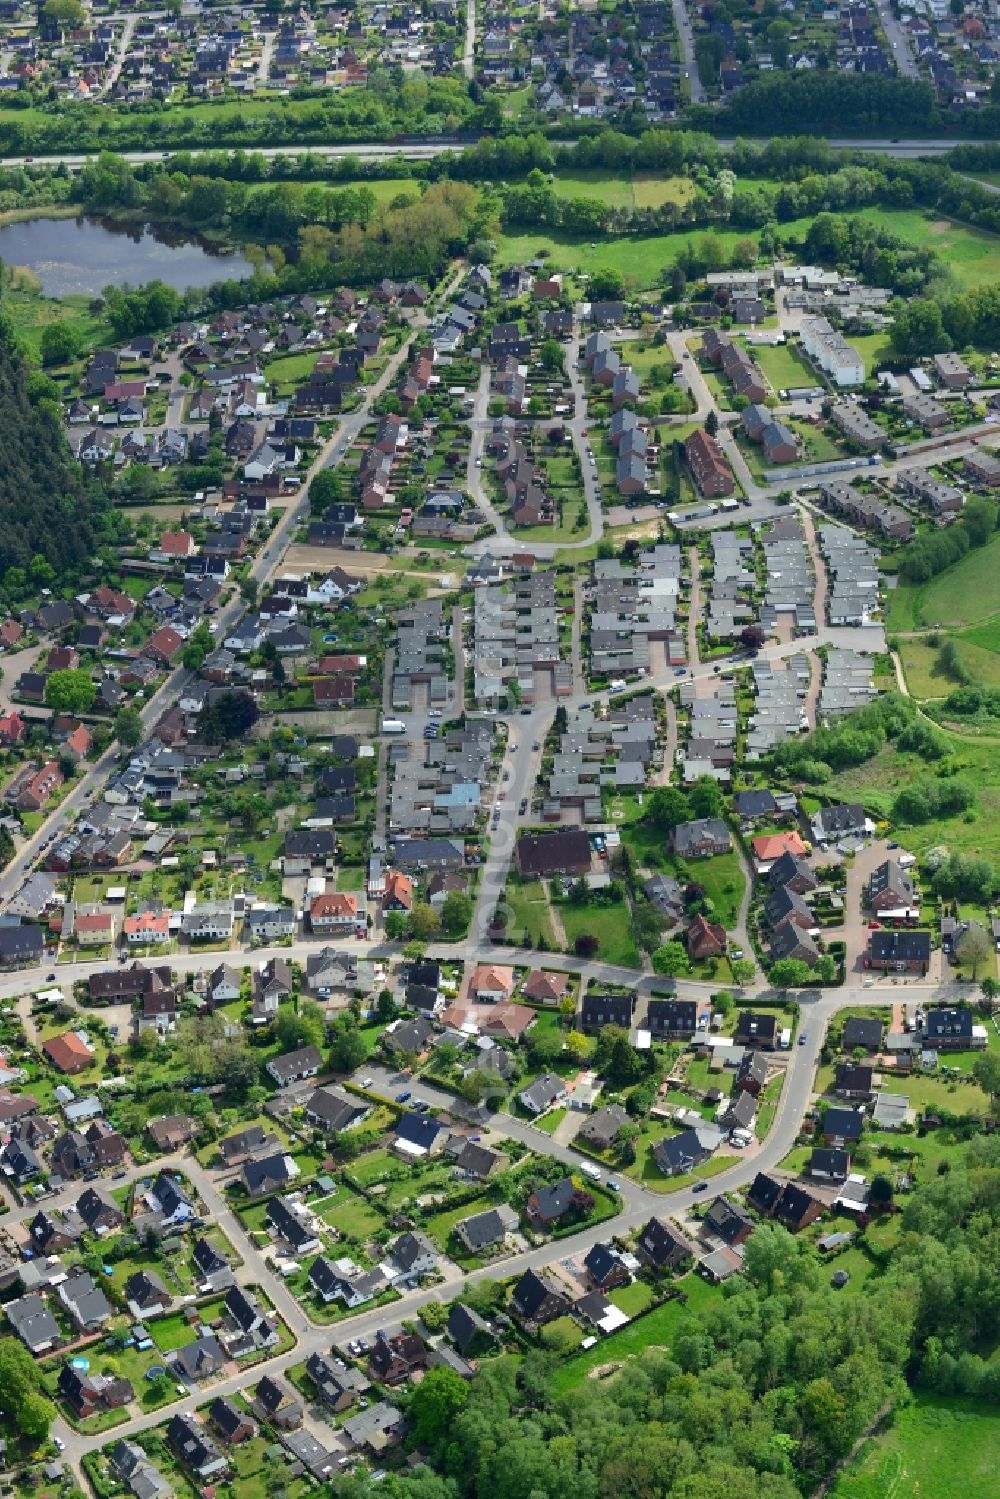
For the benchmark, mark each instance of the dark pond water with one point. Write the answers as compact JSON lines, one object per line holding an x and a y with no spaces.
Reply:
{"x":86,"y":254}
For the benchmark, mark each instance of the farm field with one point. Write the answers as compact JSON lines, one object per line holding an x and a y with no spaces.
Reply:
{"x":916,"y":1455}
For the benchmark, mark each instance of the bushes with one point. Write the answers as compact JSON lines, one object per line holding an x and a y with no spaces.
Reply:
{"x":925,"y":799}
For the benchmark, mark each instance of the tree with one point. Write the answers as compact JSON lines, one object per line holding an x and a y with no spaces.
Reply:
{"x":432,"y":1408}
{"x":63,"y":13}
{"x":34,"y":1417}
{"x":789,"y":973}
{"x":880,"y":1195}
{"x":577,"y":1044}
{"x":671,"y":959}
{"x":586,"y":946}
{"x":385,"y":1009}
{"x":128,"y":727}
{"x":616,"y":1057}
{"x":752,"y":637}
{"x":990,"y":991}
{"x":324,"y":490}
{"x":231,"y":716}
{"x":348,"y":1050}
{"x":986,"y":1071}
{"x":20,"y":1397}
{"x":249,"y":589}
{"x":304,"y":1027}
{"x":59,"y":344}
{"x":743,"y":970}
{"x":395,"y":925}
{"x":70,"y":691}
{"x":552,"y":357}
{"x":666,"y":807}
{"x":705,"y":797}
{"x":606,"y":284}
{"x":773,"y":1252}
{"x":424,"y":922}
{"x":456,"y":913}
{"x":711,"y":423}
{"x":973,"y":947}
{"x":544,"y":1048}
{"x":567,"y":1008}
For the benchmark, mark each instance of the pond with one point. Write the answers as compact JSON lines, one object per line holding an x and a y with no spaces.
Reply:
{"x":83,"y":255}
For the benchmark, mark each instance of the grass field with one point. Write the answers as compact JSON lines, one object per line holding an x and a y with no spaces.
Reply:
{"x":529,"y":911}
{"x":877,"y":781}
{"x":609,"y":924}
{"x":656,"y":1330}
{"x":783,"y":366}
{"x":938,"y":1445}
{"x":982,"y":661}
{"x":972,"y":255}
{"x":873,"y":347}
{"x":643,"y":190}
{"x":965,"y":594}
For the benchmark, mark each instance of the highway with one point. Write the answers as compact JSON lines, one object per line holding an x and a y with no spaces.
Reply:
{"x":426,"y":151}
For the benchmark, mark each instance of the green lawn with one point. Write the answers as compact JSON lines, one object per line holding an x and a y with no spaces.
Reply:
{"x":642,"y":190}
{"x":551,"y":1121}
{"x":633,"y":1299}
{"x":723,"y":880}
{"x":973,"y":255}
{"x":609,"y":924}
{"x":964,"y":594}
{"x":939,"y":1445}
{"x":656,"y":1330}
{"x":351,"y":1215}
{"x":783,"y":366}
{"x":529,"y":912}
{"x":641,"y":261}
{"x":874,"y":349}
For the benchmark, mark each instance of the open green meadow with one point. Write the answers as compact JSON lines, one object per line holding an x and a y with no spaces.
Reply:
{"x":642,"y":190}
{"x":972,"y":255}
{"x":940,"y":1445}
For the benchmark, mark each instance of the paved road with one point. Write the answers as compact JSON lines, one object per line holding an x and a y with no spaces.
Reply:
{"x":267,"y":562}
{"x":899,"y":40}
{"x":469,"y":50}
{"x":424,"y":151}
{"x":638,"y":1203}
{"x":685,"y":34}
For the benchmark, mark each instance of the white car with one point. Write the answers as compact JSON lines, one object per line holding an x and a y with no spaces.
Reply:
{"x":60,"y":1443}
